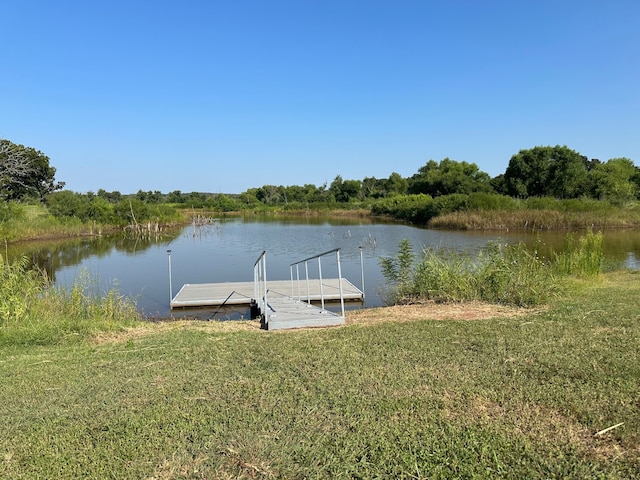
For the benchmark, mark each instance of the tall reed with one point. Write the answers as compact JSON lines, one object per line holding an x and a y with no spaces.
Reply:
{"x":582,"y":256}
{"x":34,"y":311}
{"x":511,"y":274}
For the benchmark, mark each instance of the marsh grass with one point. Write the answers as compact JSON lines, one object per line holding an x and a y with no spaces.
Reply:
{"x":521,"y":397}
{"x":34,"y":311}
{"x":509,"y":274}
{"x":534,"y":219}
{"x":582,"y":256}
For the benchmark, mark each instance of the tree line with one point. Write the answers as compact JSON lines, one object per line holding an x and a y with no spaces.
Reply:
{"x":543,"y":171}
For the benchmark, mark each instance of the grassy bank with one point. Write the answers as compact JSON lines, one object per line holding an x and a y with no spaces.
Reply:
{"x":534,"y":220}
{"x":33,"y":311}
{"x":394,"y":394}
{"x":482,"y":211}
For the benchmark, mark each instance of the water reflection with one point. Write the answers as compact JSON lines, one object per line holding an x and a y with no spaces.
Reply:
{"x":226,"y":250}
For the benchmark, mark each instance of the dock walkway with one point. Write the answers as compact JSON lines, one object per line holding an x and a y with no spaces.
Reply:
{"x":281,"y":304}
{"x":242,"y":293}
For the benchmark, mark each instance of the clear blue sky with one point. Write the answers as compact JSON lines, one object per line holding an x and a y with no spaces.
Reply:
{"x":225,"y":95}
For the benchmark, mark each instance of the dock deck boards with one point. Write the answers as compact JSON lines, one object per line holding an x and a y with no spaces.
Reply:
{"x":241,"y":293}
{"x":285,"y":312}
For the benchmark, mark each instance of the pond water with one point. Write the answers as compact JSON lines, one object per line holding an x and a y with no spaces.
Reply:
{"x":226,"y":249}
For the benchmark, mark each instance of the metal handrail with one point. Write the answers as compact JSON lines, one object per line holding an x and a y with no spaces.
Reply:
{"x":260,"y":283}
{"x":306,"y":266}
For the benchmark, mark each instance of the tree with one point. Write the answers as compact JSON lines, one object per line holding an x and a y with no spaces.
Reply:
{"x":345,"y":190}
{"x":614,"y":180}
{"x":25,"y":172}
{"x":448,"y":177}
{"x":546,"y":171}
{"x":396,"y":184}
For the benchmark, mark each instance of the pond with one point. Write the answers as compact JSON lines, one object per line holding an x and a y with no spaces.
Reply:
{"x":225,"y":251}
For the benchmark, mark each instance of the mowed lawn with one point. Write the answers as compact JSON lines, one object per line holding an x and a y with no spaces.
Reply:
{"x":421,"y":392}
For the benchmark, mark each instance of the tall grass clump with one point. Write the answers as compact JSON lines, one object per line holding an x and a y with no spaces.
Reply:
{"x":19,"y":289}
{"x":582,"y":256}
{"x":508,"y":274}
{"x":34,"y":311}
{"x":512,"y":274}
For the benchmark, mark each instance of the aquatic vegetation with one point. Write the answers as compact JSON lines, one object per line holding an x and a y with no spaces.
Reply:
{"x":511,"y":274}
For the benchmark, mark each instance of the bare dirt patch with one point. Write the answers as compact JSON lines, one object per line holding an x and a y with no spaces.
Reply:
{"x":435,"y":311}
{"x":368,"y":316}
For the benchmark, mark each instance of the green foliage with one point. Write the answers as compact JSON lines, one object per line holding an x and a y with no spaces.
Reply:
{"x":491,"y":201}
{"x":101,"y":209}
{"x":33,"y":311}
{"x":398,"y":270}
{"x":614,"y":181}
{"x":449,"y":203}
{"x":449,"y":177}
{"x":509,"y":274}
{"x":582,"y":256}
{"x":412,"y":208}
{"x":11,"y":211}
{"x":546,"y":171}
{"x":25,"y":172}
{"x":19,"y":288}
{"x":223,"y":203}
{"x":566,"y":205}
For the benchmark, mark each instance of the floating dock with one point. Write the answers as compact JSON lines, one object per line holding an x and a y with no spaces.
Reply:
{"x":280,"y":304}
{"x":242,"y":293}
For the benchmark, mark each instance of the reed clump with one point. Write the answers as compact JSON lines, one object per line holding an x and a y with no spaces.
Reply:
{"x":34,"y":311}
{"x":507,"y":274}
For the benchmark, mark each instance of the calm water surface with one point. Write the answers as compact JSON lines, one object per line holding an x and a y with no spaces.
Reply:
{"x":226,"y":250}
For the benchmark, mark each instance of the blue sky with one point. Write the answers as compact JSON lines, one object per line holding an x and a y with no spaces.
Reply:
{"x":222,"y":96}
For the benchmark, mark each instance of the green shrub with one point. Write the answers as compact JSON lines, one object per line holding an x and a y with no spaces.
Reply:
{"x":411,"y":208}
{"x":11,"y":211}
{"x":449,"y":203}
{"x":491,"y":201}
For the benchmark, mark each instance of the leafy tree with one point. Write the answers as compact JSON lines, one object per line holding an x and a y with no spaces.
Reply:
{"x":448,"y":177}
{"x":614,"y":180}
{"x":111,"y":197}
{"x":372,"y":188}
{"x":249,"y":197}
{"x":396,"y":184}
{"x":223,"y":203}
{"x":268,"y":194}
{"x":345,"y":190}
{"x":546,"y":171}
{"x":25,"y":172}
{"x":175,"y":197}
{"x":567,"y":174}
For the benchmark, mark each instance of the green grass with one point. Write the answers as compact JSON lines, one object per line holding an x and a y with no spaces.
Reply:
{"x":34,"y":311}
{"x":520,"y":397}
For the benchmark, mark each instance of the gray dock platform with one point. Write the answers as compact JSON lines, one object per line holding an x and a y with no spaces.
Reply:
{"x":242,"y":293}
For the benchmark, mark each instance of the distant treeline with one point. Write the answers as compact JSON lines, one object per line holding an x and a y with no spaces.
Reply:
{"x":557,"y":177}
